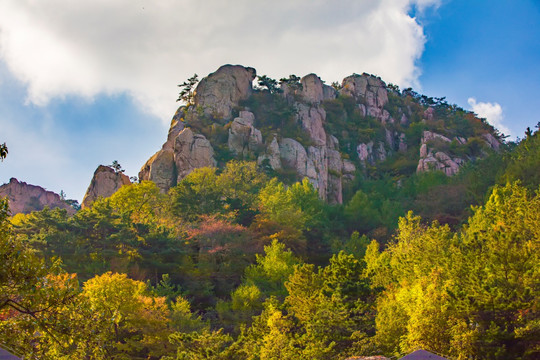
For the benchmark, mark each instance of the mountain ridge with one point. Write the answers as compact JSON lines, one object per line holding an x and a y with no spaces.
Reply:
{"x":329,"y":134}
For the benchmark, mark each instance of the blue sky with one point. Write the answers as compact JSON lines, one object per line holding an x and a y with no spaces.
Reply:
{"x":86,"y":83}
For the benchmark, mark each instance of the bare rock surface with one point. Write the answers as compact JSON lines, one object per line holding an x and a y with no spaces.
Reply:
{"x":312,"y":118}
{"x":314,"y":91}
{"x":369,"y":91}
{"x":431,"y":160}
{"x":294,"y":156}
{"x":160,"y":169}
{"x":243,"y":136}
{"x":192,"y":151}
{"x":25,"y":198}
{"x":220,"y":91}
{"x":105,"y":182}
{"x":492,"y":141}
{"x":176,"y":127}
{"x":272,"y":155}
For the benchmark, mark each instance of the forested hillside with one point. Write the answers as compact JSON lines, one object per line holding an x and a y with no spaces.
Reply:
{"x":248,"y":260}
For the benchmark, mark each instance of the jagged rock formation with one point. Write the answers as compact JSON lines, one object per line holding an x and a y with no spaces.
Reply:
{"x":105,"y":182}
{"x":178,"y":157}
{"x":25,"y":198}
{"x":369,"y":93}
{"x":191,"y":151}
{"x":220,"y":91}
{"x":243,"y":136}
{"x":438,"y":160}
{"x":324,"y":150}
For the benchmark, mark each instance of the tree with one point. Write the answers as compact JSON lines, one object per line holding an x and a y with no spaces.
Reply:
{"x":32,"y":291}
{"x":3,"y":151}
{"x":240,"y":183}
{"x":473,"y":294}
{"x":142,"y":202}
{"x":293,"y":83}
{"x":205,"y":344}
{"x":187,"y":91}
{"x":117,"y":167}
{"x":268,"y":83}
{"x":197,"y":194}
{"x":133,"y":323}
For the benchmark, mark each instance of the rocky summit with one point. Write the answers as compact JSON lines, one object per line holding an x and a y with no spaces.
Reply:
{"x":25,"y":198}
{"x":329,"y":134}
{"x":105,"y":182}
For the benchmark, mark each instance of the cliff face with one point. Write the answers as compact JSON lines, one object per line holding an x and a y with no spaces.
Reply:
{"x":25,"y":198}
{"x":328,"y":134}
{"x":105,"y":182}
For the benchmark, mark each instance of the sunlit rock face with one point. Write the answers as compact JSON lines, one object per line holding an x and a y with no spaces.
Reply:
{"x":220,"y":91}
{"x":192,"y":151}
{"x":105,"y":182}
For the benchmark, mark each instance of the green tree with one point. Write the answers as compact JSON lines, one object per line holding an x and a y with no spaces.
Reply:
{"x":187,"y":91}
{"x":201,"y":345}
{"x":262,"y":280}
{"x":197,"y":194}
{"x":268,"y":83}
{"x":523,"y":162}
{"x":32,"y":291}
{"x":3,"y":151}
{"x":133,"y":324}
{"x":292,"y":82}
{"x":240,"y":183}
{"x":117,"y":167}
{"x":468,"y":295}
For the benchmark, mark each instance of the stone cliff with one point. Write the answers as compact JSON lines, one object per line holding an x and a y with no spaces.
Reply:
{"x":105,"y":182}
{"x":25,"y":198}
{"x":337,"y":131}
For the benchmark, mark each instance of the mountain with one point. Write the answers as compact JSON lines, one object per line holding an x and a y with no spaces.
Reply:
{"x":333,"y":135}
{"x":25,"y":198}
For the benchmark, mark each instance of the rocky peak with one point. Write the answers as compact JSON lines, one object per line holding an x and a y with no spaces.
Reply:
{"x":220,"y":91}
{"x":311,"y":150}
{"x":314,"y":90}
{"x":366,"y":89}
{"x":105,"y":182}
{"x":25,"y":198}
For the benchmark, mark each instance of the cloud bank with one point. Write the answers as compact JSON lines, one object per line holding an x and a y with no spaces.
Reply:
{"x":145,"y":48}
{"x":492,"y":112}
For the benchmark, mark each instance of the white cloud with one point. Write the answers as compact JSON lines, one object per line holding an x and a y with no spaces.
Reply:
{"x":492,"y":112}
{"x":146,"y":48}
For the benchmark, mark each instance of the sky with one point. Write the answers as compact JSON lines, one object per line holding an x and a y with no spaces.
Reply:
{"x":87,"y":83}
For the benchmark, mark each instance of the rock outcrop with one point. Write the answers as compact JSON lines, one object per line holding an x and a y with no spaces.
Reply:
{"x":243,"y":136}
{"x":314,"y":91}
{"x":311,"y":119}
{"x":272,"y":155}
{"x":370,"y":93}
{"x":369,"y":154}
{"x":220,"y":91}
{"x":105,"y":182}
{"x":192,"y":151}
{"x":25,"y":198}
{"x":430,"y":159}
{"x":161,"y":169}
